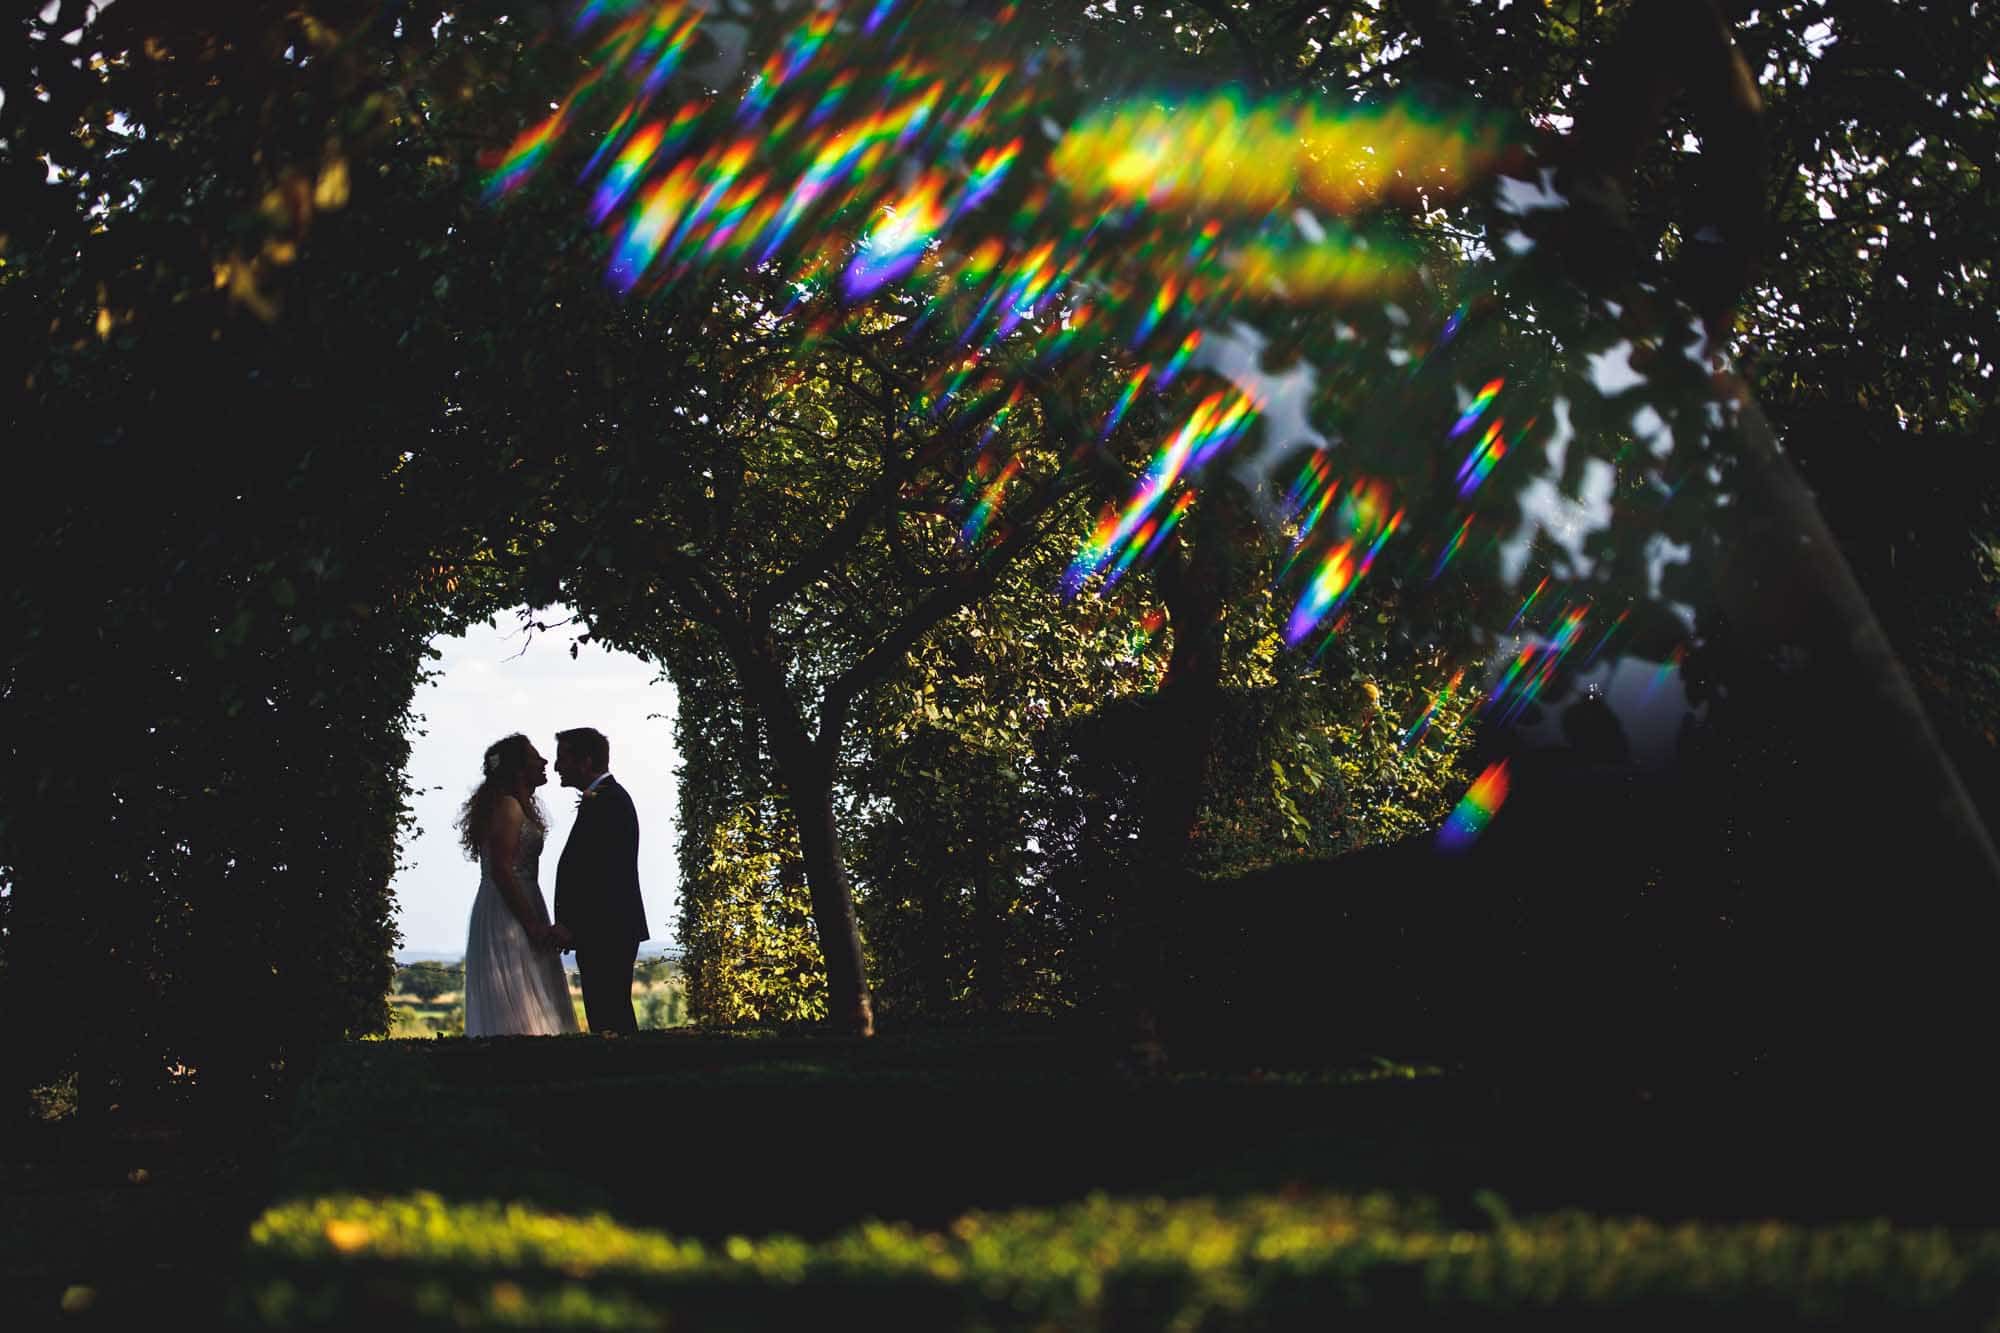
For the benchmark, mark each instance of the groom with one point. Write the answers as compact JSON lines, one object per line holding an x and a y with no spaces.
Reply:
{"x":598,"y":911}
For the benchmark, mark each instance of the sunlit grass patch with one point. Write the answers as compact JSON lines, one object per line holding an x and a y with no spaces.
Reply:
{"x":1263,"y":1261}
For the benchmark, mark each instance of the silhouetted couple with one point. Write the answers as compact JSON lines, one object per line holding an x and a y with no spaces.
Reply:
{"x":514,"y":983}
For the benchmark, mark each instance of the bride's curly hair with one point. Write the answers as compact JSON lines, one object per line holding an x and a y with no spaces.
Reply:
{"x":506,"y":759}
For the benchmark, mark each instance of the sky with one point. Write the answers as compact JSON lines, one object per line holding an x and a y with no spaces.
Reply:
{"x":499,"y":680}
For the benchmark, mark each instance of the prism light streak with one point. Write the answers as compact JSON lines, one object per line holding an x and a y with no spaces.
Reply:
{"x":525,"y":154}
{"x":1523,"y":610}
{"x":1597,"y":649}
{"x":1537,"y":663}
{"x":625,"y":171}
{"x":1220,"y":416}
{"x":1666,"y":669}
{"x":876,"y":15}
{"x":794,"y":53}
{"x":1451,"y":548}
{"x":1125,"y":401}
{"x":1478,"y":464}
{"x":897,"y":242}
{"x":1178,"y":361}
{"x":1146,"y":542}
{"x":1475,"y":409}
{"x":1475,"y":812}
{"x":1339,"y":574}
{"x":860,"y":162}
{"x":1418,"y":729}
{"x":981,"y":516}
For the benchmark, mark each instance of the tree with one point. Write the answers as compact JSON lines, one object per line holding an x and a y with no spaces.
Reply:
{"x":210,"y":220}
{"x":427,"y":980}
{"x":752,"y":475}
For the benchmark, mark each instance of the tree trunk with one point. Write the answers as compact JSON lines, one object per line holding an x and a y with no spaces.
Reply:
{"x":809,"y":790}
{"x":804,"y":768}
{"x":991,"y":953}
{"x":1185,"y":710}
{"x":1878,"y":877}
{"x":1174,"y":758}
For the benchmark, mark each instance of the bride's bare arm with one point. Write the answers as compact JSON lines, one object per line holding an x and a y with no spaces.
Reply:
{"x":503,"y":843}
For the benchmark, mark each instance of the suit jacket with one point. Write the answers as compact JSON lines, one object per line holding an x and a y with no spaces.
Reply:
{"x":597,"y":879}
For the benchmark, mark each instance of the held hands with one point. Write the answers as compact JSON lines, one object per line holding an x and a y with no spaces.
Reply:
{"x":556,"y":939}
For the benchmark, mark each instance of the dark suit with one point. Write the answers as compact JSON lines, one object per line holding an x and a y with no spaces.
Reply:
{"x":597,"y":901}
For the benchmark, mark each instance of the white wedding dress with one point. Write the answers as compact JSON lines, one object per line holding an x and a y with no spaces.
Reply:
{"x":511,"y":987}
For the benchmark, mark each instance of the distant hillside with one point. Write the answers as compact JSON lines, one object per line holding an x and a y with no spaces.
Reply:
{"x":650,"y":950}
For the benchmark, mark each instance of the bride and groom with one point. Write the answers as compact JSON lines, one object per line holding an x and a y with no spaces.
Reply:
{"x":514,"y":983}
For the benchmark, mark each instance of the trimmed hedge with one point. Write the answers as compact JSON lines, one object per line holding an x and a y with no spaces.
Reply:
{"x":1260,"y":1262}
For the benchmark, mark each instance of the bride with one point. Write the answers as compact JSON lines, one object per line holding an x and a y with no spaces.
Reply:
{"x":514,"y":982}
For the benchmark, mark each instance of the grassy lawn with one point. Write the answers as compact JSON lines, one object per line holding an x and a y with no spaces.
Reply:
{"x":1017,"y":1177}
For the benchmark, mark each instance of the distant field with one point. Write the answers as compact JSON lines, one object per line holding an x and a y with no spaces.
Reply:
{"x":427,"y":999}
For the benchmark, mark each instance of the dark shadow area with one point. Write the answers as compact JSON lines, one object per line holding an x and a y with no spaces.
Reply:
{"x":701,"y":1135}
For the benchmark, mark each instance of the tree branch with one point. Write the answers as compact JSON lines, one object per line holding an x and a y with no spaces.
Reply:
{"x":848,"y":686}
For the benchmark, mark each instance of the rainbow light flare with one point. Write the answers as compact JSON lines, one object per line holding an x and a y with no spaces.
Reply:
{"x":897,"y":242}
{"x":981,"y":516}
{"x":1362,"y":523}
{"x":1149,"y":626}
{"x":1537,"y":663}
{"x":525,"y":155}
{"x":1125,"y":401}
{"x":1422,"y":725}
{"x":1479,"y":463}
{"x":1475,"y":409}
{"x":1451,"y":548}
{"x":1475,"y":812}
{"x":1335,"y":581}
{"x":625,"y":171}
{"x":1216,"y":422}
{"x":1523,"y":610}
{"x":1178,"y":361}
{"x":1666,"y":669}
{"x":860,"y":164}
{"x":794,"y":53}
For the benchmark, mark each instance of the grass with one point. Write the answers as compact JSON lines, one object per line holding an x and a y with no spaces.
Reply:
{"x":1261,"y":1261}
{"x":1015,"y":1175}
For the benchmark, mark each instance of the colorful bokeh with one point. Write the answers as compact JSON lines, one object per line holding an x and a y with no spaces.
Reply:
{"x":919,"y":161}
{"x":1363,"y":519}
{"x":858,"y":164}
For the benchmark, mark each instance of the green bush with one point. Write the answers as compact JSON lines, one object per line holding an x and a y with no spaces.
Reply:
{"x":1260,"y":1262}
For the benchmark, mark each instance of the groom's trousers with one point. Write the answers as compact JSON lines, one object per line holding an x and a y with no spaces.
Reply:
{"x":605,"y":969}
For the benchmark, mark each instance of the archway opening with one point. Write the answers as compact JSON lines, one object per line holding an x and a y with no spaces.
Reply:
{"x":526,"y":672}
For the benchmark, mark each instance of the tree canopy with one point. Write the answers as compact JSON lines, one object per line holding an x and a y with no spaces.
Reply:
{"x":321,"y":351}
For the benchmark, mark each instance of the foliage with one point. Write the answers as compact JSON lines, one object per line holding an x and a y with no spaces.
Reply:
{"x":428,"y":980}
{"x":1261,"y":1261}
{"x":1867,"y":328}
{"x":206,"y":713}
{"x":1871,"y":337}
{"x":745,"y":925}
{"x":751,"y":948}
{"x":221,"y":225}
